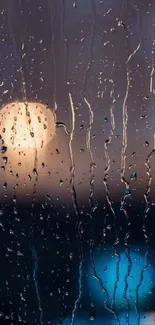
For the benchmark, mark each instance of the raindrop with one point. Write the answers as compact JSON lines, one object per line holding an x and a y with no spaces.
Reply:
{"x":127,"y":191}
{"x":105,"y":119}
{"x":29,"y":177}
{"x":92,"y":316}
{"x":35,"y":171}
{"x":3,"y":149}
{"x":61,"y":182}
{"x":60,"y":124}
{"x":32,"y":134}
{"x":5,"y":185}
{"x":120,"y":23}
{"x":5,"y":160}
{"x":143,"y":116}
{"x":133,"y":176}
{"x":74,"y":5}
{"x":146,"y":143}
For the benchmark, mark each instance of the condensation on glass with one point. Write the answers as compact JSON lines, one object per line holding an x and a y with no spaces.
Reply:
{"x":77,"y":140}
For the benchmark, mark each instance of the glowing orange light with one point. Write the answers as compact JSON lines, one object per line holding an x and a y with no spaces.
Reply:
{"x":26,"y":125}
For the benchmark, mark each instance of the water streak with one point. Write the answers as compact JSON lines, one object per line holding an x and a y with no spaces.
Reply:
{"x":108,"y":196}
{"x":76,"y":208}
{"x":35,"y":279}
{"x":152,"y":69}
{"x":92,"y":163}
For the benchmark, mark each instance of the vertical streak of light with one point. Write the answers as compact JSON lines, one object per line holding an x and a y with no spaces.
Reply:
{"x":53,"y":54}
{"x":139,"y":285}
{"x":152,"y":70}
{"x":123,"y":161}
{"x":151,"y":79}
{"x":36,"y":175}
{"x":123,"y":167}
{"x":35,"y":261}
{"x":88,"y":143}
{"x":76,"y":208}
{"x":92,"y":164}
{"x":125,"y":122}
{"x":134,"y":52}
{"x":146,"y":211}
{"x":95,"y":275}
{"x":145,"y":214}
{"x":91,"y":114}
{"x":108,"y":197}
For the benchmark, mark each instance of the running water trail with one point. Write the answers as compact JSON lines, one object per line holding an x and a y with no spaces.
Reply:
{"x":108,"y":196}
{"x":147,"y":208}
{"x":76,"y":208}
{"x":35,"y":279}
{"x":92,"y":162}
{"x":123,"y":179}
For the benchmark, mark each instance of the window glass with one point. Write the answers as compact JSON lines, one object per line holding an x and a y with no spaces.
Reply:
{"x":77,"y":139}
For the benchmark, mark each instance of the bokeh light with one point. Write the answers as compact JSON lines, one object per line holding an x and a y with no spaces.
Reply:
{"x":26,"y":125}
{"x":134,"y":318}
{"x":124,"y":280}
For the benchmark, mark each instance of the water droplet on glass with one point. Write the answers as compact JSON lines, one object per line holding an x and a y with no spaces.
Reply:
{"x":5,"y":185}
{"x":29,"y":177}
{"x":92,"y":316}
{"x":32,"y":134}
{"x":35,"y":171}
{"x":133,"y":176}
{"x":5,"y":160}
{"x":3,"y":149}
{"x":61,"y":182}
{"x":127,"y":191}
{"x":146,"y":143}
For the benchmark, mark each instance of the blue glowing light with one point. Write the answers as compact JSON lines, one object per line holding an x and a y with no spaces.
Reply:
{"x":133,"y":320}
{"x":124,"y":278}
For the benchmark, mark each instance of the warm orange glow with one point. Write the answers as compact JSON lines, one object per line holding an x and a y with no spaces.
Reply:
{"x":26,"y":125}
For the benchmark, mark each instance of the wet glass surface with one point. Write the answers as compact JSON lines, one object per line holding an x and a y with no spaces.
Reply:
{"x":77,"y":139}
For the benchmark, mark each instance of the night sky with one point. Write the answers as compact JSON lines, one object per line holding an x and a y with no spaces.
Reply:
{"x":92,"y":63}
